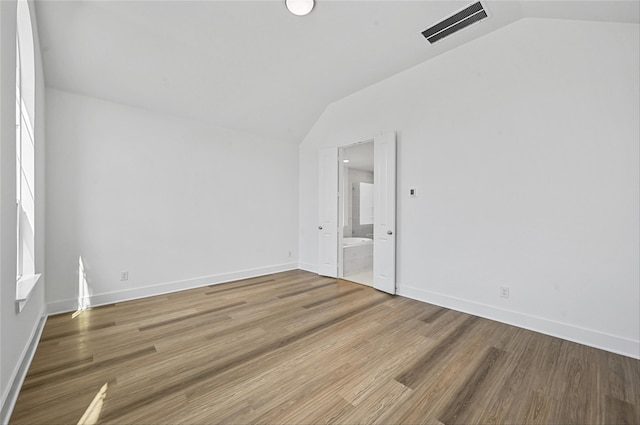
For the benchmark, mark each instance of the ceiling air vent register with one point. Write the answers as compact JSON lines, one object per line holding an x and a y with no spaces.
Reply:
{"x":455,"y":22}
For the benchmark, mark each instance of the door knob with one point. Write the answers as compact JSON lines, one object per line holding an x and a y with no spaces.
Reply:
{"x":319,"y":227}
{"x":389,"y":232}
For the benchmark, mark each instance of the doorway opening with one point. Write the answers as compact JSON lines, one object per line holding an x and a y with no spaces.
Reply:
{"x":356,"y":218}
{"x":332,"y":213}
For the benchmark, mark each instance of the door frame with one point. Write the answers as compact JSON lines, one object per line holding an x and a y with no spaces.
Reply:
{"x":337,"y":195}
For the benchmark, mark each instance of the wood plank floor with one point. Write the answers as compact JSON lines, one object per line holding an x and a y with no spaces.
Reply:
{"x":296,"y":348}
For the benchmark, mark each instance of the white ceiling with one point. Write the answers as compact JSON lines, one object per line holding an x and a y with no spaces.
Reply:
{"x":251,"y":65}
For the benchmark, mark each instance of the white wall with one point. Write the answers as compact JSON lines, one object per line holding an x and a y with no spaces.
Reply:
{"x":524,"y":147}
{"x":17,"y":330}
{"x":175,"y":203}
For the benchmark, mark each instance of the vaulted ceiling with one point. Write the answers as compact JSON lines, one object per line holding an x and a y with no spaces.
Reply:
{"x":251,"y":65}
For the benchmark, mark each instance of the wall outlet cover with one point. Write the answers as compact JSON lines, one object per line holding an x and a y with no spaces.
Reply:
{"x":504,"y":292}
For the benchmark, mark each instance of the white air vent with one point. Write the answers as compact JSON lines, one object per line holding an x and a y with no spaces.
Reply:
{"x":455,"y":22}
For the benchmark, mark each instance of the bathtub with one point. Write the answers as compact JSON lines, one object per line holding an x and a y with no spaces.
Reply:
{"x":357,"y":255}
{"x":356,"y":241}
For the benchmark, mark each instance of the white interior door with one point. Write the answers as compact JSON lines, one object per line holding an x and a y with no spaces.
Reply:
{"x":328,"y":213}
{"x":384,"y":222}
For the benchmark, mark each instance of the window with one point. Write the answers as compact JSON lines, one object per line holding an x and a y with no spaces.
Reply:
{"x":25,"y":156}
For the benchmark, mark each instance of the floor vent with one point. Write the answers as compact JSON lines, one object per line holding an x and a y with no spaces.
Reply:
{"x":456,"y":22}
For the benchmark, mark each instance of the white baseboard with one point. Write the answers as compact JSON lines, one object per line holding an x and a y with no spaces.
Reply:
{"x":604,"y":341}
{"x":9,"y":402}
{"x":66,"y":306}
{"x":308,"y":267}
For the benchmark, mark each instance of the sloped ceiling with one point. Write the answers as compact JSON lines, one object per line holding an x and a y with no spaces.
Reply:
{"x":251,"y":65}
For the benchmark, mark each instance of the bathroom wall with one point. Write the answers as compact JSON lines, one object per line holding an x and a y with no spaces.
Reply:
{"x":356,"y":229}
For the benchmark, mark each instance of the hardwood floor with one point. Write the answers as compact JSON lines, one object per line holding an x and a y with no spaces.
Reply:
{"x":296,"y":348}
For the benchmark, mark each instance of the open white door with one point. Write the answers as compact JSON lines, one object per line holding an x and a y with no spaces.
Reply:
{"x":384,"y":222}
{"x":328,"y":211}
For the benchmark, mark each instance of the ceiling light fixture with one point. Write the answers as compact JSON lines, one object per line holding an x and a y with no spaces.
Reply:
{"x":345,"y":160}
{"x":299,"y":7}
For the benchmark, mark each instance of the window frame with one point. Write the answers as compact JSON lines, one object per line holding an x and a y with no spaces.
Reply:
{"x":26,"y":276}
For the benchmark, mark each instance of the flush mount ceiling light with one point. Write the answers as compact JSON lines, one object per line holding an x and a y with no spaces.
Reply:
{"x":299,"y":7}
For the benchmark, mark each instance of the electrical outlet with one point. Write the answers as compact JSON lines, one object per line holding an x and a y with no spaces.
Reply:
{"x":124,"y":275}
{"x":504,"y":291}
{"x":413,"y":192}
